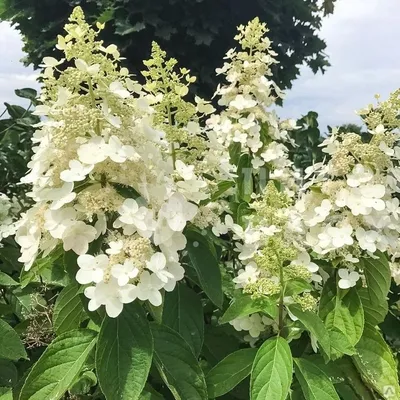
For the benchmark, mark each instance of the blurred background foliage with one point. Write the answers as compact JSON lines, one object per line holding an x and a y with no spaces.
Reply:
{"x":196,"y":32}
{"x":16,"y":130}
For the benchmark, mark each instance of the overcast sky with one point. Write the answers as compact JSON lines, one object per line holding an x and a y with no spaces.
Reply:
{"x":363,"y":46}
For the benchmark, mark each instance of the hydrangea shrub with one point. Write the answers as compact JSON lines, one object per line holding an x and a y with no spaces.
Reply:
{"x":195,"y":260}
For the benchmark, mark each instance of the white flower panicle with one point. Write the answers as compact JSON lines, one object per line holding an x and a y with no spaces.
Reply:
{"x":245,"y":120}
{"x":120,"y":169}
{"x":104,"y":170}
{"x":9,"y":209}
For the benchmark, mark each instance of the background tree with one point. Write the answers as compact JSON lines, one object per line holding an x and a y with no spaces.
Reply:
{"x":306,"y":149}
{"x":16,"y":130}
{"x":198,"y":33}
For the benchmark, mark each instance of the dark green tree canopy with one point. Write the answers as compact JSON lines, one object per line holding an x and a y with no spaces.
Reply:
{"x":196,"y":32}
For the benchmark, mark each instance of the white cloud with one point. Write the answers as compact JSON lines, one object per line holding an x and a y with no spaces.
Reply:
{"x":362,"y":43}
{"x":13,"y":75}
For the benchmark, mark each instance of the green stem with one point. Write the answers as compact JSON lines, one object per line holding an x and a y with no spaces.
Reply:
{"x":281,"y":296}
{"x":173,"y":154}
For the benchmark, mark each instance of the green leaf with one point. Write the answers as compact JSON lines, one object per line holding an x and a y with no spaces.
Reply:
{"x":68,"y":310}
{"x":126,"y":344}
{"x":374,"y":314}
{"x":6,"y":393}
{"x":235,"y":149}
{"x":271,"y":375}
{"x":84,"y":383}
{"x":242,"y":210}
{"x":70,"y":263}
{"x":9,"y":256}
{"x":26,"y":93}
{"x":39,"y":266}
{"x":218,"y":343}
{"x":297,"y":286}
{"x":183,"y":312}
{"x":177,"y":364}
{"x":5,"y":309}
{"x":124,"y":27}
{"x":58,"y":367}
{"x":106,"y":16}
{"x":378,"y":276}
{"x":202,"y":256}
{"x":342,"y":371}
{"x":374,"y":360}
{"x":245,"y":178}
{"x":127,"y":191}
{"x":149,"y":393}
{"x":313,"y":381}
{"x":222,"y":187}
{"x":230,"y":372}
{"x":8,"y":374}
{"x":11,"y":346}
{"x":23,"y":301}
{"x":244,"y":305}
{"x":14,"y":111}
{"x":156,"y":311}
{"x":313,"y":323}
{"x":347,"y":317}
{"x":6,"y":280}
{"x":340,"y":344}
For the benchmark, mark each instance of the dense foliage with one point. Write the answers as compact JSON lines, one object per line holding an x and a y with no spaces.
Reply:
{"x":197,"y":33}
{"x":176,"y":251}
{"x":16,"y":130}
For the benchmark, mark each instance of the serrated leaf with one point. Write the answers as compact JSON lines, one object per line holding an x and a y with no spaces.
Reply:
{"x":11,"y":346}
{"x":374,"y":360}
{"x":342,"y":371}
{"x":202,"y":257}
{"x":314,"y":324}
{"x":348,"y":317}
{"x":244,"y":305}
{"x":68,"y":310}
{"x":271,"y":374}
{"x":340,"y":344}
{"x":313,"y":381}
{"x":56,"y":370}
{"x":126,"y":343}
{"x":177,"y":364}
{"x":374,"y":314}
{"x":183,"y":312}
{"x":229,"y":372}
{"x":378,"y":276}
